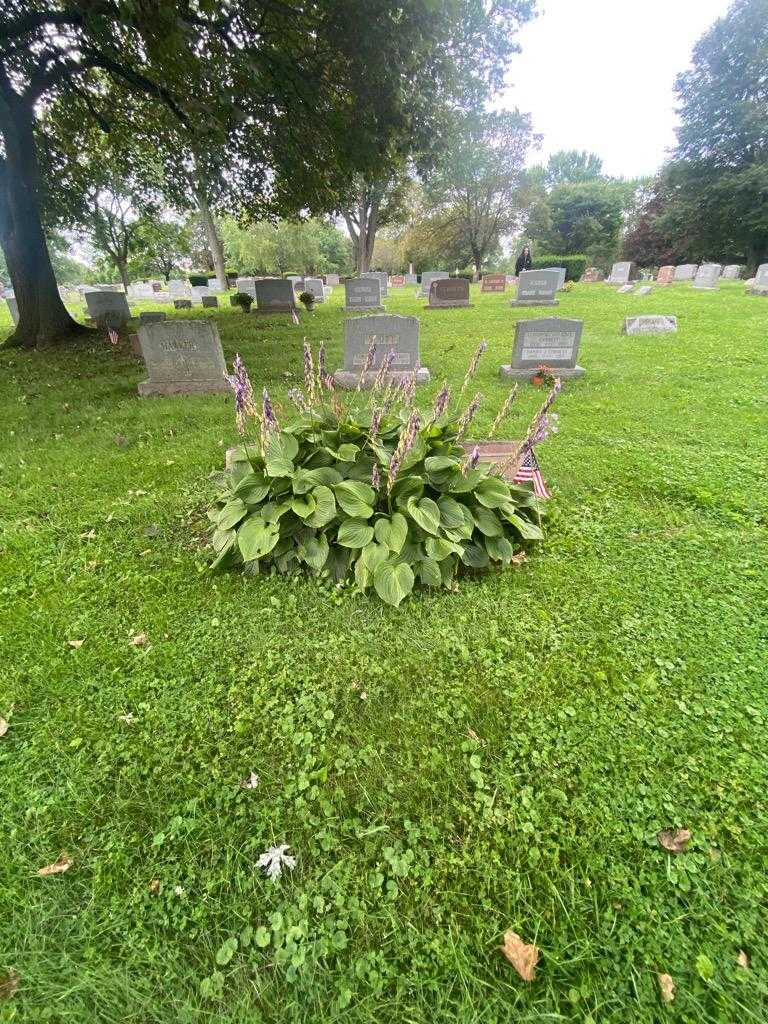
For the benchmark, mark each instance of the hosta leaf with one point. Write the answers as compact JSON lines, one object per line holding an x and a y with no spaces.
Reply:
{"x":347,"y":452}
{"x":325,"y":507}
{"x":356,"y":498}
{"x":407,"y":487}
{"x":226,"y":555}
{"x":303,"y":505}
{"x":439,"y":549}
{"x":282,"y":449}
{"x":221,"y":538}
{"x":499,"y":548}
{"x":475,"y":556}
{"x":253,"y":488}
{"x":526,"y":529}
{"x":392,"y":532}
{"x":256,"y":538}
{"x":429,"y":573}
{"x":374,"y":554}
{"x":451,"y":513}
{"x":337,"y":565}
{"x":462,"y":484}
{"x":272,"y":511}
{"x":314,"y":552}
{"x":326,"y":475}
{"x":492,"y":492}
{"x":363,"y":575}
{"x":487,"y":522}
{"x":393,"y":582}
{"x":425,"y":514}
{"x":232,"y":513}
{"x":355,"y":533}
{"x":436,"y":463}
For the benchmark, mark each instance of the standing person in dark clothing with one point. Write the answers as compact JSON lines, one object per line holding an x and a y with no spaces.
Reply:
{"x":524,"y":261}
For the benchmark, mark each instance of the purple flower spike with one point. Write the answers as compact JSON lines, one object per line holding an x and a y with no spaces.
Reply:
{"x":309,"y":370}
{"x":268,"y":413}
{"x":406,"y":442}
{"x":472,"y":368}
{"x":375,"y":477}
{"x":468,"y":416}
{"x":441,"y":402}
{"x":241,"y":385}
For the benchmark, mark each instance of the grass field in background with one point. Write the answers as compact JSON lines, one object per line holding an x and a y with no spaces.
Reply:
{"x":474,"y":762}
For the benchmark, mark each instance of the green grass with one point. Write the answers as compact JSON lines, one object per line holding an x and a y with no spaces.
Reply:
{"x":617,"y":683}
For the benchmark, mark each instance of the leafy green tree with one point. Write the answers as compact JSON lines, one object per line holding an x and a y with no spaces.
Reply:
{"x":478,"y":183}
{"x":311,"y":246}
{"x":257,"y":104}
{"x":716,"y":190}
{"x":572,"y":167}
{"x":585,"y":218}
{"x":161,"y":245}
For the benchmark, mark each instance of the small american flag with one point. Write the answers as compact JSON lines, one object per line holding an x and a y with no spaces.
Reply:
{"x":529,"y":469}
{"x":114,"y":337}
{"x":295,"y":317}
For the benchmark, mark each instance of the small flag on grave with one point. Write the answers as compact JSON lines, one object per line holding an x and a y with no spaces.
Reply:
{"x":529,"y":470}
{"x":114,"y":337}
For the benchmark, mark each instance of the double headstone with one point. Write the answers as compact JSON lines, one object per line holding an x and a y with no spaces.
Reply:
{"x":552,"y":341}
{"x":494,"y":283}
{"x":622,"y":273}
{"x":759,"y":284}
{"x":386,"y":333}
{"x":537,"y":288}
{"x":427,"y":278}
{"x":666,"y":275}
{"x":274,"y":295}
{"x":110,"y":305}
{"x":382,"y":278}
{"x":183,"y":357}
{"x":362,"y":293}
{"x":652,"y":324}
{"x":707,"y":276}
{"x":449,"y":293}
{"x":732,"y":272}
{"x":686,"y":271}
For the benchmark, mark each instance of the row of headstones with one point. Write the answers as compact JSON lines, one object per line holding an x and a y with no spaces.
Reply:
{"x":704,"y":276}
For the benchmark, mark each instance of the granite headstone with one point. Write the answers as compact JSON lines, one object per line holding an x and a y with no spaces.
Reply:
{"x":686,"y":271}
{"x":399,"y":334}
{"x":449,"y":293}
{"x":382,"y":278}
{"x":108,"y":303}
{"x":650,"y":324}
{"x":274,"y":295}
{"x":551,"y":341}
{"x":707,"y":276}
{"x":427,"y":278}
{"x":666,"y":275}
{"x":494,"y":283}
{"x":362,"y":293}
{"x":537,"y":288}
{"x":183,"y":357}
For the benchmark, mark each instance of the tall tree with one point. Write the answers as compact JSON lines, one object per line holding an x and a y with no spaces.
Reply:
{"x":377,"y":203}
{"x":572,"y":167}
{"x":114,"y":229}
{"x":262,"y":95}
{"x":718,"y":184}
{"x":478,"y":181}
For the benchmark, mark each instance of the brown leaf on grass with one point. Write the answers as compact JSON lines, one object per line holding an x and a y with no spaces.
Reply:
{"x":742,"y":959}
{"x":250,"y":782}
{"x":154,"y":887}
{"x":518,"y":559}
{"x":473,"y":736}
{"x":76,"y":643}
{"x":64,"y":863}
{"x":522,"y":956}
{"x":8,"y":984}
{"x":674,"y":840}
{"x":139,"y":640}
{"x":666,"y":987}
{"x":4,"y":727}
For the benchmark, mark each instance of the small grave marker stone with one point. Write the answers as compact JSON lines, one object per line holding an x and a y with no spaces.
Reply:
{"x":644,"y":290}
{"x":314,"y":286}
{"x":151,"y":318}
{"x":552,"y":341}
{"x":537,"y":288}
{"x":449,"y":293}
{"x":411,"y":279}
{"x":758,"y":285}
{"x":210,"y":302}
{"x":362,"y":293}
{"x":625,"y":289}
{"x":182,"y":303}
{"x":183,"y":357}
{"x":391,"y":333}
{"x":494,"y":283}
{"x":397,"y":281}
{"x":651,"y":324}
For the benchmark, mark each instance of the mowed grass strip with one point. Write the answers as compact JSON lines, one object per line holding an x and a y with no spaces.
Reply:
{"x":498,"y":758}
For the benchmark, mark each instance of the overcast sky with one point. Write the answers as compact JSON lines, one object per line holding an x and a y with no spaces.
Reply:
{"x":598,"y":75}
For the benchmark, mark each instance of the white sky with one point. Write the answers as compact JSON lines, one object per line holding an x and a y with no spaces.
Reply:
{"x":598,"y":75}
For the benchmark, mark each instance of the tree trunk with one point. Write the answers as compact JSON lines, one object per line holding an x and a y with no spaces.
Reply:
{"x":214,"y":242}
{"x":122,"y":269}
{"x":42,"y":316}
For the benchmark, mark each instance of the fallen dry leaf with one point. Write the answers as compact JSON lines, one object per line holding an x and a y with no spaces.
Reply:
{"x":522,"y":956}
{"x":8,"y":984}
{"x":154,"y":886}
{"x":251,"y":782}
{"x":91,"y":535}
{"x":674,"y":840}
{"x":518,"y":559}
{"x":128,"y":719}
{"x":473,"y":736}
{"x":742,"y":959}
{"x":64,"y":863}
{"x":139,"y":640}
{"x":75,"y":643}
{"x":666,"y":988}
{"x":3,"y":727}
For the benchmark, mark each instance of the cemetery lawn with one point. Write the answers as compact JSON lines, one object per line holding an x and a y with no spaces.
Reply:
{"x":501,"y":758}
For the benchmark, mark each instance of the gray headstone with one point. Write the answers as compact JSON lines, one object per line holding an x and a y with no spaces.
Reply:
{"x":427,"y":278}
{"x":391,"y":333}
{"x":645,"y":290}
{"x":179,"y":289}
{"x":553,"y":341}
{"x":274,"y":296}
{"x":449,"y":293}
{"x":382,"y":278}
{"x":537,"y":288}
{"x":199,"y":291}
{"x":210,"y":302}
{"x":758,"y":285}
{"x":314,"y":286}
{"x":151,"y":318}
{"x":686,"y":271}
{"x":732,"y":272}
{"x":625,"y":289}
{"x":183,"y":357}
{"x":652,"y":324}
{"x":410,"y":279}
{"x":214,"y":286}
{"x":707,"y":276}
{"x":13,"y":307}
{"x":561,"y":277}
{"x":113,"y":304}
{"x":246,"y":286}
{"x":362,"y":293}
{"x":332,"y":279}
{"x":622,"y":273}
{"x":182,"y":303}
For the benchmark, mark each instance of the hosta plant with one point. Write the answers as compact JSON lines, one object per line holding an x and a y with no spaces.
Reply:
{"x":370,"y":488}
